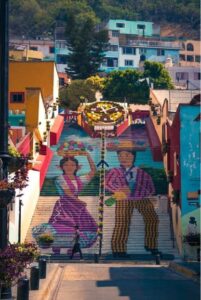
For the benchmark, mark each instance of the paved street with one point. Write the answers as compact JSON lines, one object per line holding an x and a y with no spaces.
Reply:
{"x":124,"y":282}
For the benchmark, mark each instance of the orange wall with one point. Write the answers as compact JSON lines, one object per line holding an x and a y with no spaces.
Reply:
{"x":30,"y":74}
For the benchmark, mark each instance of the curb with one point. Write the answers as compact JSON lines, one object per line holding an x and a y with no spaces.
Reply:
{"x":47,"y":285}
{"x":188,"y":272}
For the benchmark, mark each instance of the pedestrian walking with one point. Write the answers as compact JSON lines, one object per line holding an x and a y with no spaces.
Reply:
{"x":76,"y":246}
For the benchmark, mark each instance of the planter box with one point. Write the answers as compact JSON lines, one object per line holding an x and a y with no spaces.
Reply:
{"x":45,"y":245}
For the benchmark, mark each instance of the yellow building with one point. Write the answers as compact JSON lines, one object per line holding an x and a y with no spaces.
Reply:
{"x":25,"y":55}
{"x":33,"y":92}
{"x":30,"y":74}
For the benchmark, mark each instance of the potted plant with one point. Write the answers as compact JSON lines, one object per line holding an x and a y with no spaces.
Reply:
{"x":192,"y":239}
{"x":45,"y":240}
{"x":13,"y":259}
{"x":16,"y":160}
{"x":7,"y":187}
{"x":165,"y":147}
{"x":170,"y":176}
{"x":176,"y":197}
{"x":158,"y":121}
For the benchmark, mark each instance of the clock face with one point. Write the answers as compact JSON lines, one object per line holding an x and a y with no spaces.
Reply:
{"x":104,"y":112}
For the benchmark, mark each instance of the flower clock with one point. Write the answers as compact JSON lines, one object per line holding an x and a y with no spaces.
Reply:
{"x":104,"y":112}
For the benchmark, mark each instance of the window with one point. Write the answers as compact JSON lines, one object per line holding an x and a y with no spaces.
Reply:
{"x":61,"y":59}
{"x":16,"y":97}
{"x":190,"y":58}
{"x":183,"y":46}
{"x":197,"y":58}
{"x":120,"y":25}
{"x":112,"y":62}
{"x":61,"y":45}
{"x":197,"y":75}
{"x":160,"y":52}
{"x":51,"y":49}
{"x":61,"y":81}
{"x":129,"y":50}
{"x":115,"y":33}
{"x":128,"y":62}
{"x":182,"y":76}
{"x":33,"y":48}
{"x":143,"y":50}
{"x":104,"y":62}
{"x":189,"y":47}
{"x":113,"y":48}
{"x":182,"y":57}
{"x":141,"y":26}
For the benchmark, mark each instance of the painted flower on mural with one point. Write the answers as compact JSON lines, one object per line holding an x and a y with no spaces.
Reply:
{"x":104,"y":112}
{"x":13,"y":259}
{"x":73,"y":148}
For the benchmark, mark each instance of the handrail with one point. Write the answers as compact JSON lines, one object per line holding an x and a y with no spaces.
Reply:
{"x":171,"y":224}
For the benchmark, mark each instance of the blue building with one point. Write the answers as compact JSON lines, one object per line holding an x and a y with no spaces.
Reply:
{"x":132,"y":42}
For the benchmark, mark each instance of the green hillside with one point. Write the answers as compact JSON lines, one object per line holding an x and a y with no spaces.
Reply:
{"x":37,"y":17}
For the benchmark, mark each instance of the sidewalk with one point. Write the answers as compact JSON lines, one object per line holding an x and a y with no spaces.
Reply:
{"x":188,"y":269}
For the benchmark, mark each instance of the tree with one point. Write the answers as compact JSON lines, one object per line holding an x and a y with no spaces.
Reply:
{"x":126,"y":85}
{"x":86,"y":46}
{"x":78,"y":91}
{"x":96,"y":82}
{"x":158,"y":75}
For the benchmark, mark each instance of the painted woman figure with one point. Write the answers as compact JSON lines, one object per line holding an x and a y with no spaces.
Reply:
{"x":69,"y":211}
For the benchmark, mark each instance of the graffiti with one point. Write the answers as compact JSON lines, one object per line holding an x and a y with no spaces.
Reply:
{"x":131,"y":187}
{"x":132,"y":177}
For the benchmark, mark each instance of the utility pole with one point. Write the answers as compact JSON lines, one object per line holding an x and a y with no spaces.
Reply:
{"x":4,"y":112}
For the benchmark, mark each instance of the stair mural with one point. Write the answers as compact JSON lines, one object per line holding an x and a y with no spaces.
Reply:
{"x":128,"y":214}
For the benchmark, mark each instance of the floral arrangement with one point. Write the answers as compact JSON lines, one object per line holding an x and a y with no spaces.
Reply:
{"x":13,"y":152}
{"x":13,"y":259}
{"x":73,"y":147}
{"x":45,"y":238}
{"x":8,"y":186}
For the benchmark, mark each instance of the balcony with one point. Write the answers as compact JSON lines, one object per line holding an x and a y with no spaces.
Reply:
{"x":154,"y":44}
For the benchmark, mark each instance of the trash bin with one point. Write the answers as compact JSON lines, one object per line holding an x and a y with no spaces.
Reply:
{"x":96,"y":258}
{"x":34,"y":278}
{"x":42,"y":268}
{"x":23,"y":289}
{"x":158,"y":259}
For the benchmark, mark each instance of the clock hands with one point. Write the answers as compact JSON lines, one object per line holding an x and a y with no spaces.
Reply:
{"x":103,"y":109}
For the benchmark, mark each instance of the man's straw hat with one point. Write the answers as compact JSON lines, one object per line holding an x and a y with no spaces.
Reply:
{"x":127,"y":145}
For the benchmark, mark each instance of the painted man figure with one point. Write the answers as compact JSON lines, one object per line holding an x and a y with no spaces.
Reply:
{"x":131,"y":187}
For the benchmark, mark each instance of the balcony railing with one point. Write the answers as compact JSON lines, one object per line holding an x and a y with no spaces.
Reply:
{"x":154,"y":44}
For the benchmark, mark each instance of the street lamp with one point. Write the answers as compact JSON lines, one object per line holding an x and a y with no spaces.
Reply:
{"x":4,"y":112}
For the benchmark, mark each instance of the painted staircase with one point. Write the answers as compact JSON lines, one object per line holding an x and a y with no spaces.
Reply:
{"x":135,"y":243}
